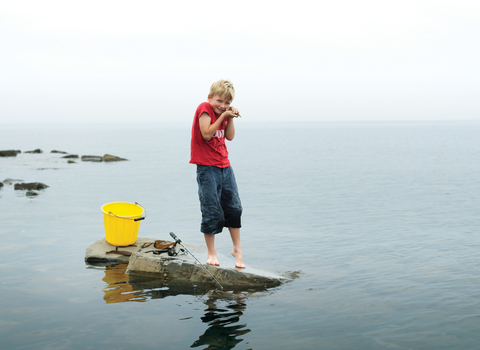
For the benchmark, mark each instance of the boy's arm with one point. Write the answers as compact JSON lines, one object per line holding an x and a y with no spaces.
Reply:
{"x":230,"y":127}
{"x":208,"y":130}
{"x":229,"y":130}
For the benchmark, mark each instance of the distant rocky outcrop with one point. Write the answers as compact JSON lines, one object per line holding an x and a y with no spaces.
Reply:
{"x":9,"y":153}
{"x":105,"y":158}
{"x":9,"y":181}
{"x":38,"y":150}
{"x":110,"y":158}
{"x":1,"y":185}
{"x":30,"y":186}
{"x":92,"y":158}
{"x":71,"y":156}
{"x":61,"y":152}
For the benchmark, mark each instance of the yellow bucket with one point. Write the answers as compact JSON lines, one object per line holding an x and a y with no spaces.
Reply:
{"x":122,"y":221}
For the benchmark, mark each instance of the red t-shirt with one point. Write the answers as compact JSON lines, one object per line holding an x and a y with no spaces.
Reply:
{"x":213,"y":152}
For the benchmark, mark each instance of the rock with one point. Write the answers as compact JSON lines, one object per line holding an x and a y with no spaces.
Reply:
{"x":61,"y":152}
{"x":92,"y":158}
{"x":71,"y":156}
{"x":9,"y":181}
{"x":30,"y":186}
{"x":38,"y":150}
{"x":97,"y":252}
{"x":185,"y":268}
{"x":32,"y":193}
{"x":9,"y":153}
{"x":180,"y":267}
{"x":71,"y":162}
{"x":110,"y":158}
{"x":1,"y":185}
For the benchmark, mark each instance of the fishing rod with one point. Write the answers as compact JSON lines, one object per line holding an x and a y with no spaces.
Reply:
{"x":177,"y":240}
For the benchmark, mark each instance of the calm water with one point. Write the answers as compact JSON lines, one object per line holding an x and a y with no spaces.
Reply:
{"x":378,"y":222}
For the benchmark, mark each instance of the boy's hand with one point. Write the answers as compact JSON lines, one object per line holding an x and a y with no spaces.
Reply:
{"x":233,"y":111}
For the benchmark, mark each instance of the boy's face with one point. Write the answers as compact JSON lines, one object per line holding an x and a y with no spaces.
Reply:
{"x":219,"y":103}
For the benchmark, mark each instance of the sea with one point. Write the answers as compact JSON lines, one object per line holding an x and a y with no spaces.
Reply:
{"x":374,"y":225}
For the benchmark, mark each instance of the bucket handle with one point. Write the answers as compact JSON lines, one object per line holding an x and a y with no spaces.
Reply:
{"x":137,"y":219}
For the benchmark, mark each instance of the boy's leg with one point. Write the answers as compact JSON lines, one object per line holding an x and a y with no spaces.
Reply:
{"x":212,"y":253}
{"x":237,"y":247}
{"x":212,"y":212}
{"x":232,"y":208}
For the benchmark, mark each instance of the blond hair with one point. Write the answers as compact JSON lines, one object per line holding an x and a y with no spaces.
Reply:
{"x":223,"y":88}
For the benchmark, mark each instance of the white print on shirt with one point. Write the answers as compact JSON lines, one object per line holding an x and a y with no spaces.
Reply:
{"x":220,"y":134}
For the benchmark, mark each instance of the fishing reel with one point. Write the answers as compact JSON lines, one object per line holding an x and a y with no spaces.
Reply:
{"x":162,"y":247}
{"x":172,"y":252}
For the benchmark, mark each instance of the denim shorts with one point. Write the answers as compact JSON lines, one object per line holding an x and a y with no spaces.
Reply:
{"x":219,"y":200}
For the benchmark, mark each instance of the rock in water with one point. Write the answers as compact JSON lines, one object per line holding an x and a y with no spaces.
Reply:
{"x":30,"y":186}
{"x":110,"y":158}
{"x":9,"y":181}
{"x":92,"y":158}
{"x":9,"y":153}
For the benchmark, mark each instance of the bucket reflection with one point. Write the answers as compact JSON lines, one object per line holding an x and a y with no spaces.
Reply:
{"x":224,"y":308}
{"x":119,"y":290}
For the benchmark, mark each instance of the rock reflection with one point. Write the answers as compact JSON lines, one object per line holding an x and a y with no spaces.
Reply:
{"x":223,"y":323}
{"x":223,"y":312}
{"x":119,"y":290}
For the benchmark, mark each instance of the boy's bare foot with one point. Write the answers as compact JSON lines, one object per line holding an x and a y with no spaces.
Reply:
{"x":212,"y":260}
{"x":211,"y":252}
{"x":238,"y":260}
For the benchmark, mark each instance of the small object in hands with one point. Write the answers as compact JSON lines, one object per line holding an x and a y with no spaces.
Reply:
{"x":238,"y":115}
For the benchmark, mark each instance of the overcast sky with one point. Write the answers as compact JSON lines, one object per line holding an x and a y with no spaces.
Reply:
{"x":154,"y":61}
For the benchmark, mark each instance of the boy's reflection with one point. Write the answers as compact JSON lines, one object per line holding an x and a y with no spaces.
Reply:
{"x":224,"y":329}
{"x":119,"y":290}
{"x":222,"y":313}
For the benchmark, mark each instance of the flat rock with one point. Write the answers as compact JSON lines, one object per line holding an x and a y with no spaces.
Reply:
{"x":181,"y":267}
{"x":30,"y":186}
{"x":61,"y":152}
{"x":92,"y":159}
{"x":71,"y":156}
{"x":9,"y":181}
{"x":38,"y":150}
{"x":110,"y":158}
{"x":9,"y":153}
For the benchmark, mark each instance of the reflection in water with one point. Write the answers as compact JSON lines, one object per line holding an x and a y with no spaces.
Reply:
{"x":223,"y":325}
{"x":222,"y":314}
{"x":119,"y":290}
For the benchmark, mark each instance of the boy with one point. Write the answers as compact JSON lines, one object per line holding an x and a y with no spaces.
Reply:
{"x":217,"y":189}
